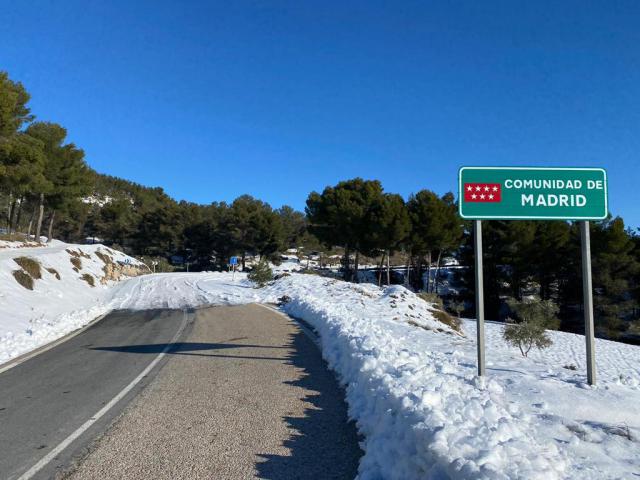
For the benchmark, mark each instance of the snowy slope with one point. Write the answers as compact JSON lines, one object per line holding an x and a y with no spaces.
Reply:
{"x":55,"y":307}
{"x":412,"y":390}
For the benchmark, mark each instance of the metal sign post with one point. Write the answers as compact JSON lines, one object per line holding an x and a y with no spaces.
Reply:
{"x":477,"y":248}
{"x":587,"y":292}
{"x":523,"y":193}
{"x":234,"y":262}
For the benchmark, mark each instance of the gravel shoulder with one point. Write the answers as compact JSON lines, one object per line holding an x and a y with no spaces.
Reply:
{"x":245,"y":395}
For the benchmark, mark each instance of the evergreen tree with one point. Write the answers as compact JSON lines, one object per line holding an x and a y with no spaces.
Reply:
{"x":614,"y":268}
{"x":14,"y":112}
{"x":388,"y":226}
{"x":435,"y":228}
{"x":339,"y":216}
{"x":254,"y":227}
{"x":68,"y":177}
{"x":294,"y":225}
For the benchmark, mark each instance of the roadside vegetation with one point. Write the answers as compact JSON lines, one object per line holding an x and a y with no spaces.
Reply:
{"x":533,"y":318}
{"x":261,"y":274}
{"x":23,"y":278}
{"x":30,"y":265}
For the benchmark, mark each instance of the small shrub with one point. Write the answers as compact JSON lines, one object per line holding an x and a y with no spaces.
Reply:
{"x":53,"y":271}
{"x":261,"y":274}
{"x":534,"y":317}
{"x":76,"y":262}
{"x":431,"y":298}
{"x":23,"y":278}
{"x":283,"y":300}
{"x":30,"y":265}
{"x":89,"y":279}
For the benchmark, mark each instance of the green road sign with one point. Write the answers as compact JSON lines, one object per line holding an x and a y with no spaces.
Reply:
{"x":530,"y":193}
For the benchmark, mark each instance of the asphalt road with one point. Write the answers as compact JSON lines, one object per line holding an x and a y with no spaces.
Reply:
{"x":243,"y":393}
{"x":48,"y":397}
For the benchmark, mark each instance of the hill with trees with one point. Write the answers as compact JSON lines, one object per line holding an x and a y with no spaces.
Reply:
{"x":46,"y":187}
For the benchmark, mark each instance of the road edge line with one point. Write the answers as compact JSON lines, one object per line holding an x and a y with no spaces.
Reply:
{"x":44,"y":461}
{"x":14,"y":362}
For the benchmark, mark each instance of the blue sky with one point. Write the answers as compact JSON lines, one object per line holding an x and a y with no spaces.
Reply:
{"x":212,"y":100}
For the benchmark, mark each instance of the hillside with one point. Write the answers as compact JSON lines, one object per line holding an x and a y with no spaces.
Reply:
{"x":69,"y":284}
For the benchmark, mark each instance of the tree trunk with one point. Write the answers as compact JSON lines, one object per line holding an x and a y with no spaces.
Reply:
{"x":244,"y":259}
{"x":40,"y":215}
{"x":429,"y":271}
{"x":435,"y":276}
{"x":407,"y":280}
{"x":388,"y":268}
{"x":53,"y":214}
{"x":12,"y":209}
{"x":19,"y":214}
{"x":346,"y":263}
{"x":355,"y":268}
{"x":380,"y":269}
{"x":33,"y":216}
{"x":10,"y":199}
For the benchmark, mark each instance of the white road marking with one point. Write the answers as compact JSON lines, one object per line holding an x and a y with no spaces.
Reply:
{"x":83,"y":428}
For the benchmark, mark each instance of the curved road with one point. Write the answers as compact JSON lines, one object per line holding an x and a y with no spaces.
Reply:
{"x":225,"y":392}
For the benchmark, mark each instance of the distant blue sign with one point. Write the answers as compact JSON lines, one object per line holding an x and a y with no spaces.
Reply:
{"x":234,"y":260}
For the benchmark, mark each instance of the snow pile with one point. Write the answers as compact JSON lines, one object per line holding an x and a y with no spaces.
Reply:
{"x":55,"y":306}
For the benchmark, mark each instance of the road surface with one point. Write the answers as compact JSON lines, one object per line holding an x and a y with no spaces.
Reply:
{"x":242,"y":393}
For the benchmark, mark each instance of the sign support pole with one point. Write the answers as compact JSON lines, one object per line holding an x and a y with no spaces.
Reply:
{"x":477,"y":247}
{"x":587,"y":293}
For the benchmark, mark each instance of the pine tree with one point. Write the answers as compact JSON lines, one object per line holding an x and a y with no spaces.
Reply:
{"x":68,"y":177}
{"x":339,"y":216}
{"x":435,"y":228}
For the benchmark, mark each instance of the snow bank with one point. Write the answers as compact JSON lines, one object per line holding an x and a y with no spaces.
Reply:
{"x":55,"y":306}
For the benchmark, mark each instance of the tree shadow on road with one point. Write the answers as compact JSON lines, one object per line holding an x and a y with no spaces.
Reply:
{"x":325,"y":445}
{"x":178,"y":347}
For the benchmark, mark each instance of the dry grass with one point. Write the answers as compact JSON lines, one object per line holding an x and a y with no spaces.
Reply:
{"x":53,"y":271}
{"x":105,"y":258}
{"x":439,"y":312}
{"x":431,"y":298}
{"x":23,"y":278}
{"x":76,"y":262}
{"x":447,"y":319}
{"x":89,"y":279}
{"x":30,"y":265}
{"x":13,"y":237}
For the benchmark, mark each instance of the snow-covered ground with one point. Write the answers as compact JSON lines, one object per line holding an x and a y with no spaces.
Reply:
{"x":413,"y":392}
{"x":55,"y":307}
